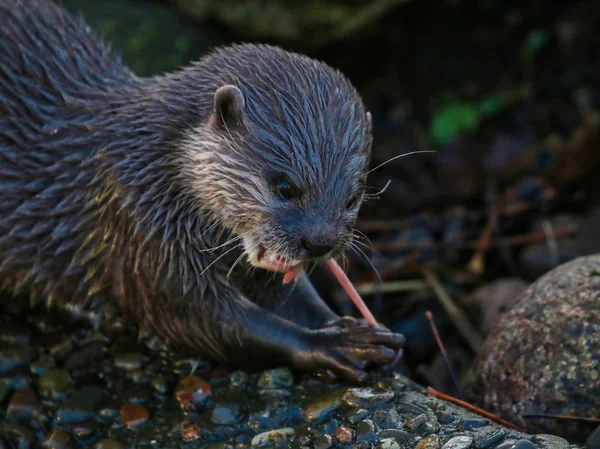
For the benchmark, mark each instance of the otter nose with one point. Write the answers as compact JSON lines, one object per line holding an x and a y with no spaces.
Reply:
{"x":316,"y":249}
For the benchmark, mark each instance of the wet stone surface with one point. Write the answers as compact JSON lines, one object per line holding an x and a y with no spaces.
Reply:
{"x":75,"y":388}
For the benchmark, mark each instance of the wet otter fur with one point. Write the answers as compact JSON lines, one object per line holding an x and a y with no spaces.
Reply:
{"x":180,"y":198}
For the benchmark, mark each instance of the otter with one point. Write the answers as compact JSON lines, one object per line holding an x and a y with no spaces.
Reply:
{"x":181,"y":199}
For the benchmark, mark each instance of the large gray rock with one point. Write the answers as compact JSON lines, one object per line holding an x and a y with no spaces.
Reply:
{"x":544,"y":357}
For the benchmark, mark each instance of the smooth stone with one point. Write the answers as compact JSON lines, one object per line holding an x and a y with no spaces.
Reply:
{"x":357,"y":415}
{"x":133,"y":415}
{"x":386,"y":419}
{"x":15,"y":357}
{"x":130,"y":361}
{"x":429,"y":442}
{"x":491,"y":439}
{"x":22,"y":405}
{"x":546,"y":441}
{"x":226,"y":415}
{"x":331,"y":426}
{"x":417,"y":421}
{"x":388,"y":443}
{"x":507,"y":444}
{"x":446,"y":418}
{"x":367,"y":397}
{"x":593,"y":441}
{"x":85,"y":357}
{"x":56,"y":384}
{"x":470,"y":424}
{"x":18,"y":436}
{"x":276,"y":378}
{"x":81,"y":405}
{"x":191,"y":431}
{"x":343,"y":435}
{"x":239,"y":379}
{"x":59,"y":439}
{"x":42,"y":365}
{"x":61,"y":349}
{"x":323,"y":406}
{"x":266,"y":438}
{"x":85,"y":431}
{"x":524,"y":444}
{"x":365,"y":431}
{"x":407,"y":407}
{"x":160,"y":384}
{"x":322,"y":442}
{"x":400,"y":436}
{"x":14,"y":335}
{"x":109,"y":443}
{"x":192,"y":393}
{"x":459,"y":442}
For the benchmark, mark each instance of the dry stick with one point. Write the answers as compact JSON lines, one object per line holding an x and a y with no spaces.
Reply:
{"x":471,"y":407}
{"x":476,"y":262}
{"x":440,"y":344}
{"x":368,"y":288}
{"x":561,"y":417}
{"x":459,"y":318}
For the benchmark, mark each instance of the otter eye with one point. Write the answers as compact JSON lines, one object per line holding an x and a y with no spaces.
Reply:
{"x":286,"y":189}
{"x":351,"y":204}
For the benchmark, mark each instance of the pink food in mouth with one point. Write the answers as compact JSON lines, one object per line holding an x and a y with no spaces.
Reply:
{"x":276,"y":262}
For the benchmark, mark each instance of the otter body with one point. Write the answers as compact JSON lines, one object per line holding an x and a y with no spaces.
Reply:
{"x":181,"y":199}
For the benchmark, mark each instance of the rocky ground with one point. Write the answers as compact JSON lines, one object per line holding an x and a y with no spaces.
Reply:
{"x":64,"y":385}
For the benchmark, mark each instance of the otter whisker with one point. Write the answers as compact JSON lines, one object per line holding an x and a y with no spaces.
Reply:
{"x":368,"y":259}
{"x":233,"y":265}
{"x":370,"y":196}
{"x":398,"y":157}
{"x":218,"y":258}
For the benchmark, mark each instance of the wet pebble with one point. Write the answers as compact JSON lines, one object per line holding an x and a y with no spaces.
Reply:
{"x":407,"y":407}
{"x":192,"y":393}
{"x":343,"y":435}
{"x":429,"y":442}
{"x":59,"y":439}
{"x":56,"y":384}
{"x":130,"y":361}
{"x":322,"y":441}
{"x":85,"y":431}
{"x":386,"y":419}
{"x":446,"y":418}
{"x":85,"y":357}
{"x":367,"y":397}
{"x":15,"y":357}
{"x":133,"y":415}
{"x":160,"y":384}
{"x":323,"y":406}
{"x":470,"y":424}
{"x":227,"y":414}
{"x":365,"y":431}
{"x":491,"y":439}
{"x":276,"y":378}
{"x":356,"y":415}
{"x":42,"y":365}
{"x":18,"y":436}
{"x":417,"y":421}
{"x":388,"y":443}
{"x":459,"y":442}
{"x":524,"y":444}
{"x":81,"y":405}
{"x":190,"y":431}
{"x":267,"y":438}
{"x":14,"y":335}
{"x":61,"y":349}
{"x":23,"y":404}
{"x":506,"y":444}
{"x":401,"y":436}
{"x":239,"y":379}
{"x":109,"y":443}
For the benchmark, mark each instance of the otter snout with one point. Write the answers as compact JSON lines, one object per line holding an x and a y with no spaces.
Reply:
{"x":315,"y":247}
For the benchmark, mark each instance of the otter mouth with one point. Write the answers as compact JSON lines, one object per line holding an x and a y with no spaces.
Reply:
{"x":272,"y":261}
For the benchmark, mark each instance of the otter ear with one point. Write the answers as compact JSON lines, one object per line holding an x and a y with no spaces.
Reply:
{"x":229,"y":107}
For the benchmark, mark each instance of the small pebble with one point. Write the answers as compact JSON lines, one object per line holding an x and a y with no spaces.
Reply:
{"x":192,"y":393}
{"x":459,"y":442}
{"x":429,"y":442}
{"x":226,"y":415}
{"x":343,"y":435}
{"x":22,"y":405}
{"x":322,"y":442}
{"x":190,"y":431}
{"x":388,"y":443}
{"x":133,"y":415}
{"x":81,"y":405}
{"x":15,"y":357}
{"x":13,"y":334}
{"x":160,"y":384}
{"x":59,"y":439}
{"x":367,"y":397}
{"x":357,"y":415}
{"x":42,"y":365}
{"x":18,"y":436}
{"x":593,"y":441}
{"x":268,"y":438}
{"x":417,"y":422}
{"x":61,"y":349}
{"x":525,"y":444}
{"x":238,"y":379}
{"x":400,"y":436}
{"x":446,"y":418}
{"x":491,"y":439}
{"x":130,"y":361}
{"x":470,"y":424}
{"x":331,"y":426}
{"x":507,"y":444}
{"x":56,"y":384}
{"x":85,"y":431}
{"x":365,"y":431}
{"x":407,"y":407}
{"x":386,"y":419}
{"x":109,"y":443}
{"x":323,"y":406}
{"x":276,"y":378}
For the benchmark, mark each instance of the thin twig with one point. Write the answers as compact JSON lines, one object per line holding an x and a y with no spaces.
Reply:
{"x":369,"y":288}
{"x":457,"y":316}
{"x":471,"y":407}
{"x":440,"y":344}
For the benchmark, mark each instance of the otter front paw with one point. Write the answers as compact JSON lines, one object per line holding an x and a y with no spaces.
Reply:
{"x":347,"y":348}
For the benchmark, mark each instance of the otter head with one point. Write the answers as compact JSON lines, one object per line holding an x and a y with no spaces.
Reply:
{"x":284,"y":155}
